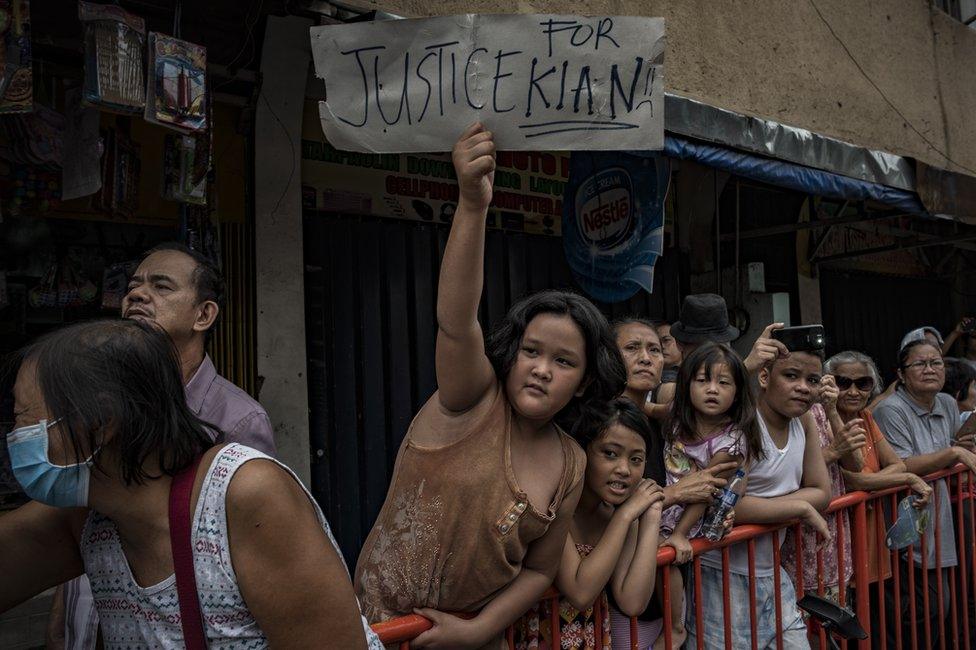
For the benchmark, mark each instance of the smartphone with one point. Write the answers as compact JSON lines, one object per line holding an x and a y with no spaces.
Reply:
{"x":969,"y":325}
{"x":966,"y":432}
{"x":805,"y":338}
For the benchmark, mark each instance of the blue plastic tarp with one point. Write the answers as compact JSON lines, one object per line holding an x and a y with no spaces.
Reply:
{"x":792,"y":176}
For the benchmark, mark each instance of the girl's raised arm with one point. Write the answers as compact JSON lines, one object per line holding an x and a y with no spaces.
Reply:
{"x":464,"y":373}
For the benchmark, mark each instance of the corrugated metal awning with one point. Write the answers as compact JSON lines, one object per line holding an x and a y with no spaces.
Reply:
{"x":686,"y":116}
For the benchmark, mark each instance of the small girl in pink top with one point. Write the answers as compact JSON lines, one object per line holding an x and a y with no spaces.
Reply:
{"x":713,"y":421}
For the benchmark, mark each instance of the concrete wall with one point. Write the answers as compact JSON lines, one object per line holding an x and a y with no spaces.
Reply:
{"x":278,"y":238}
{"x":781,"y":61}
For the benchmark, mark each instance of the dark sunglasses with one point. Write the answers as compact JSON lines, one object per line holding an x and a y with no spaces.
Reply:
{"x":864,"y":384}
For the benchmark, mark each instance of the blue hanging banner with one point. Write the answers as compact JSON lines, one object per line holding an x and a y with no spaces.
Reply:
{"x":613,"y":221}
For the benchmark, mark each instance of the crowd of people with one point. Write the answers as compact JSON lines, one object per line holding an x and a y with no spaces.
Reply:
{"x":561,"y":449}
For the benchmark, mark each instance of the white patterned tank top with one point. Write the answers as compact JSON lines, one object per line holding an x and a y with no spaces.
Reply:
{"x":149,"y":617}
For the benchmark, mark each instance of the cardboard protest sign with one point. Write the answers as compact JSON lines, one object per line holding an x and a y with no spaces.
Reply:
{"x":538,"y":82}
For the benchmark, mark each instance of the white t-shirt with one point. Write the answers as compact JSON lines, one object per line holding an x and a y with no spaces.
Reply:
{"x":778,"y":474}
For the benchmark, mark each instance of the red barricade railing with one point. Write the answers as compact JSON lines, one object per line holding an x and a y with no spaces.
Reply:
{"x":881,"y":616}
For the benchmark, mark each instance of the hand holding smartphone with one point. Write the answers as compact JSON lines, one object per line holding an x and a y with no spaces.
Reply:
{"x":966,"y":436}
{"x":804,"y":338}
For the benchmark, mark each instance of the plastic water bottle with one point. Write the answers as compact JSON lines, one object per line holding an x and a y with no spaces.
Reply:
{"x":714,"y":524}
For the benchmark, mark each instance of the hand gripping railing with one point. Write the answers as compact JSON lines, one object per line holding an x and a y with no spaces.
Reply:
{"x":919,"y":625}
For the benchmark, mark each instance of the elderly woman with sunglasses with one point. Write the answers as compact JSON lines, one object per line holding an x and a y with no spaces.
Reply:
{"x":858,"y":381}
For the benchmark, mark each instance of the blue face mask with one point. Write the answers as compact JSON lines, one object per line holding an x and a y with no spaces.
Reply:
{"x":62,"y":486}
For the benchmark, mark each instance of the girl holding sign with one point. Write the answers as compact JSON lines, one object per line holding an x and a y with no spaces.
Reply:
{"x":485,"y":483}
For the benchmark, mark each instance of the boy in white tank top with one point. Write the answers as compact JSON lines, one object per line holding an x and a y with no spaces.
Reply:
{"x":790,"y":482}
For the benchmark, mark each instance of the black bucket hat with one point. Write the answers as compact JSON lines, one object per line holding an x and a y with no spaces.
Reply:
{"x":704,"y":317}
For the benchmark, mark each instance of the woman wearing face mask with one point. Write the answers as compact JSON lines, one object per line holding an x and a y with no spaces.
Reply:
{"x":111,"y":455}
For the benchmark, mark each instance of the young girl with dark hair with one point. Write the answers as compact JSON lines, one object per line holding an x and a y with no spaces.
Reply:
{"x":713,"y":421}
{"x":485,"y":483}
{"x":640,"y":347}
{"x":613,"y":535}
{"x":787,"y":482}
{"x":102,"y":432}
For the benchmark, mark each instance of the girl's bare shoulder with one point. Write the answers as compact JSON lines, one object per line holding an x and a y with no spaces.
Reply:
{"x":436,"y":426}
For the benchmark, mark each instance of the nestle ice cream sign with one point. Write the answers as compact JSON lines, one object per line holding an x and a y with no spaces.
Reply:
{"x":613,"y":218}
{"x":605,"y":212}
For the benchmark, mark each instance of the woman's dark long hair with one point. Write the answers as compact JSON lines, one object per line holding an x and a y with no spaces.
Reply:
{"x":605,"y":377}
{"x":120,"y":377}
{"x":683,"y":421}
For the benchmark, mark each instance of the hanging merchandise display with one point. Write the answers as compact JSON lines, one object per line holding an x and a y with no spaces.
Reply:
{"x":64,"y":285}
{"x":185,"y":166}
{"x":31,"y":154}
{"x":120,"y":175}
{"x":176,"y":84}
{"x":114,"y":45}
{"x":115,"y":282}
{"x":36,"y":138}
{"x":16,"y":76}
{"x":613,"y":221}
{"x":199,"y":231}
{"x":28,"y":189}
{"x":82,"y":149}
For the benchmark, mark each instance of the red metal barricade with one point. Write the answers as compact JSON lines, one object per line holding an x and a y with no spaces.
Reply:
{"x":878,"y":595}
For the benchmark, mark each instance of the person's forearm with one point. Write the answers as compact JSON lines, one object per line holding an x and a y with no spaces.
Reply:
{"x":829,"y":455}
{"x":670,"y":496}
{"x":635,"y":589}
{"x":852,"y":461}
{"x":774,"y":510}
{"x":462,"y":272}
{"x":657,"y":412}
{"x":949,"y":342}
{"x":688,"y":518}
{"x":928,"y":463}
{"x":512,"y":602}
{"x":871,"y":481}
{"x":595,"y":570}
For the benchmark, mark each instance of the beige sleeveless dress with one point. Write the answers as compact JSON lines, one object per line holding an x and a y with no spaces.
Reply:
{"x":455,"y":526}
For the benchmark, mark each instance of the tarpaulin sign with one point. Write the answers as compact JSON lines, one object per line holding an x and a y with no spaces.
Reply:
{"x":613,"y":221}
{"x":538,"y":82}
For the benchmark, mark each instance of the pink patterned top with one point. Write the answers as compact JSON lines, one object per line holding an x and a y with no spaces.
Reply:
{"x":149,"y":617}
{"x":684,"y":457}
{"x":831,"y":557}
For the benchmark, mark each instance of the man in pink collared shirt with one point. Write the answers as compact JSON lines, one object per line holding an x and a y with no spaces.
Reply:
{"x":181,"y":291}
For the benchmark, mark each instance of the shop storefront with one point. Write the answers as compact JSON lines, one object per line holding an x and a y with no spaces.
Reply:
{"x":90,"y":178}
{"x":774,"y":218}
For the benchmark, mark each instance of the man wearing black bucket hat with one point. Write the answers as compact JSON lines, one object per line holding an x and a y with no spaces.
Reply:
{"x":705,"y":318}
